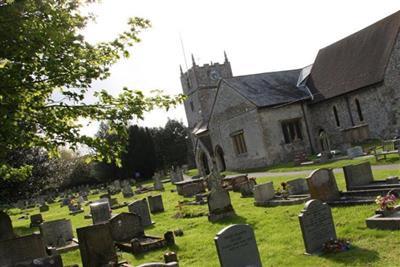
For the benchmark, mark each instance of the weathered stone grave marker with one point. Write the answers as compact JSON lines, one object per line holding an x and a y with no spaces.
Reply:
{"x":100,"y":212}
{"x":58,"y":234}
{"x":158,"y":185}
{"x":36,"y":220}
{"x":236,"y":247}
{"x":26,"y":251}
{"x":141,"y":208}
{"x":316,"y":225}
{"x":96,"y":246}
{"x":297,"y":186}
{"x":218,"y":201}
{"x":263,"y":193}
{"x":6,"y":229}
{"x":155,"y":203}
{"x":322,"y":185}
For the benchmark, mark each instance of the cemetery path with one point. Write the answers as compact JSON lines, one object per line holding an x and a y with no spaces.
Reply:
{"x":307,"y":172}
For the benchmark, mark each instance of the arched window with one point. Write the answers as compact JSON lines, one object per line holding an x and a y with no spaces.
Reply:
{"x":336,"y":116}
{"x":360,"y":115}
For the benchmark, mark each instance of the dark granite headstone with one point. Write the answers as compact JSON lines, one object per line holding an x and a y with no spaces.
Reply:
{"x":96,"y":246}
{"x":44,"y":207}
{"x":57,"y":233}
{"x":236,"y":246}
{"x":322,"y":185}
{"x":155,"y":203}
{"x":6,"y":229}
{"x":100,"y":212}
{"x":21,"y":249}
{"x":141,"y":208}
{"x":126,"y":226}
{"x":356,"y":175}
{"x":316,"y":225}
{"x":36,"y":220}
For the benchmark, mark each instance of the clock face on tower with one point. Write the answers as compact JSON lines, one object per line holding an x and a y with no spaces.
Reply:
{"x":214,"y":75}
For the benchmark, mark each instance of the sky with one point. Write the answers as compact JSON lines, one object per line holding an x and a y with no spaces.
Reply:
{"x":258,"y":36}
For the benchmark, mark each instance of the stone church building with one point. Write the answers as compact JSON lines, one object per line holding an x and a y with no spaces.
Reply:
{"x":350,"y":93}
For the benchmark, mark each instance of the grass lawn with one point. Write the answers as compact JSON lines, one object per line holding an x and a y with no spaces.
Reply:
{"x":277,"y":232}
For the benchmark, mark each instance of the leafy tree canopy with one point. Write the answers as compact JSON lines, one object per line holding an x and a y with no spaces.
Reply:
{"x":43,"y":54}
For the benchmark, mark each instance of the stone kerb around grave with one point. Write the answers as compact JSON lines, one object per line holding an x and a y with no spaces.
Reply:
{"x":317,"y":226}
{"x":236,"y":247}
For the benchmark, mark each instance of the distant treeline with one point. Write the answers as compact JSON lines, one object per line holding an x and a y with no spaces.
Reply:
{"x":148,"y":150}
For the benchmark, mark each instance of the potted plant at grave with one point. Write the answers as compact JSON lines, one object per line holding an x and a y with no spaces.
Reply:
{"x":284,"y":191}
{"x":386,"y":204}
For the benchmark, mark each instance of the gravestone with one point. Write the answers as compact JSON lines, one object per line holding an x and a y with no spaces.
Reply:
{"x":56,"y":233}
{"x":44,"y":207}
{"x":117,"y":184}
{"x":218,"y":200}
{"x":36,"y":220}
{"x":236,"y":247}
{"x":155,"y":203}
{"x":20,"y":249}
{"x":141,"y":208}
{"x":356,"y":175}
{"x":316,"y":225}
{"x":297,"y":186}
{"x":96,"y":246}
{"x":100,"y":212}
{"x":158,"y":185}
{"x":356,"y":151}
{"x":6,"y":229}
{"x":263,"y":193}
{"x":247,"y":188}
{"x":191,"y":189}
{"x":127,"y":191}
{"x":322,"y":185}
{"x":126,"y":226}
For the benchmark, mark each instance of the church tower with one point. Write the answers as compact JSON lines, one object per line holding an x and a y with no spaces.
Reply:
{"x":199,"y":84}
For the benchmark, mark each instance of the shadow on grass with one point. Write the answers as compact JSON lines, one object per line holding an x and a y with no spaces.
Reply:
{"x":237,"y":219}
{"x":174,"y":248}
{"x":353,"y":256}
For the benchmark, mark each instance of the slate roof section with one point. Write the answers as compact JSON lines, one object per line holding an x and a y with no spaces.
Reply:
{"x":270,"y":88}
{"x":354,"y":62}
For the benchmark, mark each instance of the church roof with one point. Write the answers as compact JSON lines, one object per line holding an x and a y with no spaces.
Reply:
{"x":356,"y":61}
{"x":270,"y":88}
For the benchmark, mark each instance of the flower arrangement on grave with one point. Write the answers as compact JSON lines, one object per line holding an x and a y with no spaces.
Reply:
{"x":284,"y":191}
{"x":336,"y":245}
{"x":386,"y":203}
